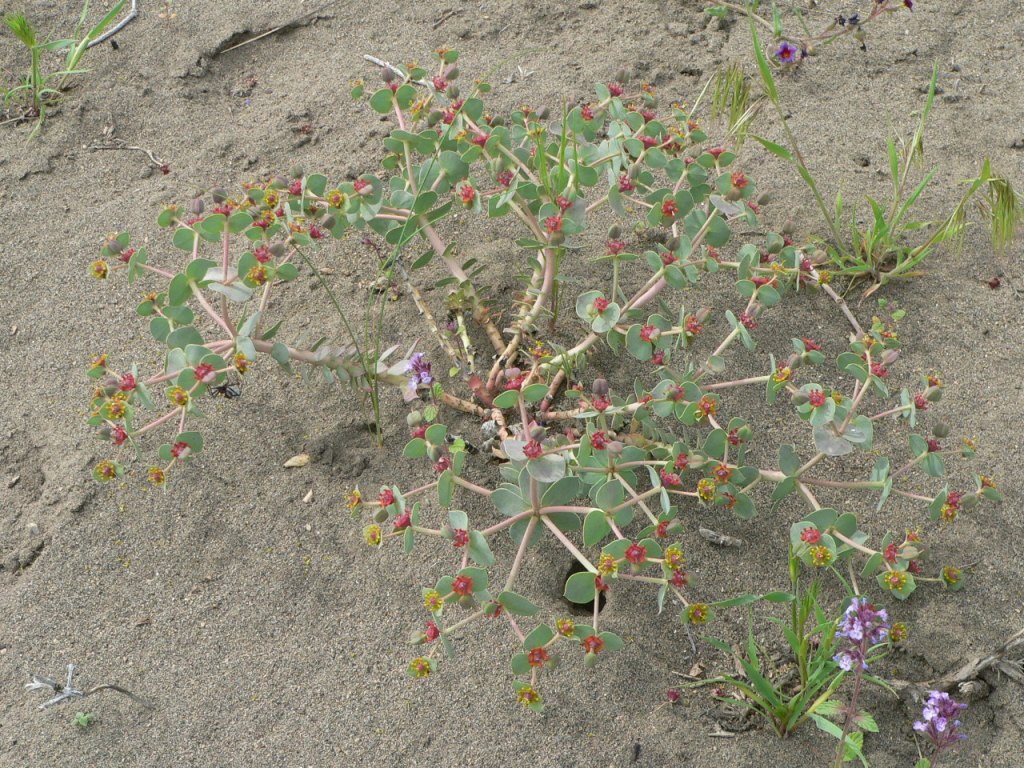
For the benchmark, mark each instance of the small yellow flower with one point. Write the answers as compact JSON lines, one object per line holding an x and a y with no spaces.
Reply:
{"x":698,"y":613}
{"x":607,"y":565}
{"x":420,"y":667}
{"x":528,"y":695}
{"x":433,"y":601}
{"x":896,"y":580}
{"x":820,"y":556}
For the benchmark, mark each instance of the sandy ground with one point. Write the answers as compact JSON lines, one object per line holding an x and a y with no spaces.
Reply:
{"x":264,"y":629}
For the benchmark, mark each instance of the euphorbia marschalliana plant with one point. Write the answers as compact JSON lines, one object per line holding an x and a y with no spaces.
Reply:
{"x":612,"y":473}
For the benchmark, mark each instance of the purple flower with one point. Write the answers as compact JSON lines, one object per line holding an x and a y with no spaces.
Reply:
{"x":420,"y":371}
{"x":862,"y":626}
{"x":862,"y":621}
{"x":787,"y":53}
{"x":939,"y":721}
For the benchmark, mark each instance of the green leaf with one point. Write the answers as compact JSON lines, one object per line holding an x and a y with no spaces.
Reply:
{"x":179,"y":290}
{"x":382,"y":100}
{"x":535,"y":393}
{"x":508,"y":501}
{"x":507,"y":399}
{"x":540,"y":637}
{"x":789,"y":461}
{"x":445,"y":488}
{"x":517,"y":604}
{"x":280,"y":354}
{"x":562,"y":492}
{"x":612,"y":642}
{"x":595,"y":527}
{"x":579,"y":588}
{"x":182,"y":337}
{"x":480,"y":552}
{"x":415,"y":449}
{"x":184,"y":238}
{"x":547,"y":469}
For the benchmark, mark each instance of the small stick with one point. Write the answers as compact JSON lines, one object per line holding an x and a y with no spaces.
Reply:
{"x":132,"y":13}
{"x":284,"y":27}
{"x":386,"y":65}
{"x":122,"y":144}
{"x":444,"y":17}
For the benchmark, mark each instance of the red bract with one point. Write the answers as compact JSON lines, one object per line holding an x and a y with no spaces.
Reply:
{"x":533,"y":449}
{"x":386,"y":497}
{"x":462,"y":585}
{"x":810,"y":535}
{"x":635,"y":554}
{"x":593,"y":644}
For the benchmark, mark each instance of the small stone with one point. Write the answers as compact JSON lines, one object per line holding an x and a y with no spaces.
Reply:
{"x":13,"y":481}
{"x":33,"y":529}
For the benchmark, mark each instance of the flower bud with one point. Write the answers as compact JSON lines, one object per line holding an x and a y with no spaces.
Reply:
{"x":416,"y":637}
{"x":380,"y":515}
{"x":614,"y":232}
{"x":941,"y":430}
{"x":622,"y":76}
{"x":634,"y":171}
{"x":890,"y":356}
{"x":218,"y":194}
{"x":296,"y":172}
{"x":600,"y":387}
{"x":789,"y":227}
{"x":434,"y":117}
{"x":414,"y":419}
{"x":615,"y":448}
{"x":537,"y":432}
{"x":197,"y":205}
{"x":453,"y":92}
{"x":733,"y":194}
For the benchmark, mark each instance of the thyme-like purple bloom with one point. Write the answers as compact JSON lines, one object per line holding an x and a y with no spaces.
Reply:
{"x":420,"y":369}
{"x":940,"y":723}
{"x":862,"y":626}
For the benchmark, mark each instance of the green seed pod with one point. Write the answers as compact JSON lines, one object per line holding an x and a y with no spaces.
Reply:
{"x":113,"y":245}
{"x":277,"y":250}
{"x":673,"y":244}
{"x":634,"y":171}
{"x":543,"y":113}
{"x":197,"y":206}
{"x":600,"y":387}
{"x":789,"y":227}
{"x":764,"y":198}
{"x":941,"y":430}
{"x":219,"y":195}
{"x":452,"y":73}
{"x":614,"y":232}
{"x":434,"y":117}
{"x":933,"y":395}
{"x":590,"y":660}
{"x":453,"y":92}
{"x":296,"y":172}
{"x":537,"y":432}
{"x":414,"y":419}
{"x":380,"y":516}
{"x":622,"y":76}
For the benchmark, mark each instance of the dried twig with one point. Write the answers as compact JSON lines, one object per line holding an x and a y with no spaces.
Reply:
{"x":132,"y":13}
{"x":67,"y":691}
{"x":122,"y":144}
{"x":297,"y":21}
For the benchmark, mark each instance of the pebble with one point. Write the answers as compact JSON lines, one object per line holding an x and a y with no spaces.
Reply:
{"x":33,"y":529}
{"x":13,"y":481}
